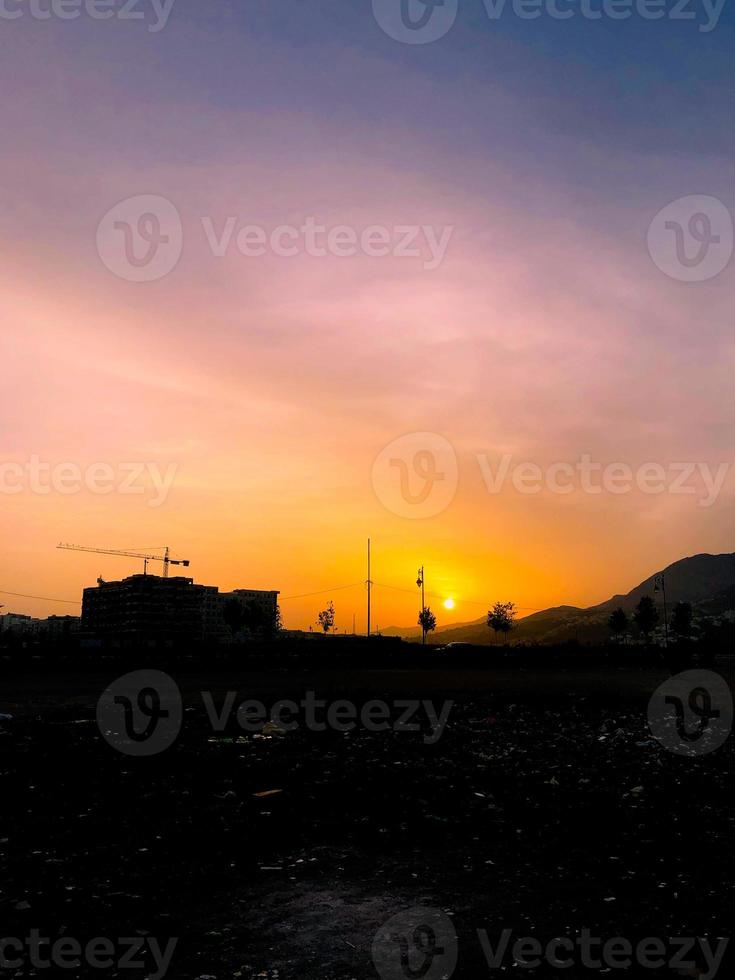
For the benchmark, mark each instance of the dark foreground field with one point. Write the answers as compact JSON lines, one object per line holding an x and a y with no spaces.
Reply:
{"x":544,"y":807}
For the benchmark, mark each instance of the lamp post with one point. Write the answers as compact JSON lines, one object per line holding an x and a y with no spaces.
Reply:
{"x":420,"y":584}
{"x":660,"y":586}
{"x":369,"y":584}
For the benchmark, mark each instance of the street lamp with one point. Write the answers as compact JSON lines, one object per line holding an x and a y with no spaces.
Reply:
{"x":659,"y":585}
{"x":420,"y":585}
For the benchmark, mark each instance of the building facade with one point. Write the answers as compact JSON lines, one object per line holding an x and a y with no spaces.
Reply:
{"x":52,"y":626}
{"x":150,"y":607}
{"x":17,"y":623}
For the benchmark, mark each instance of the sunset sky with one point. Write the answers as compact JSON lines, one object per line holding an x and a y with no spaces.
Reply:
{"x":273,"y":383}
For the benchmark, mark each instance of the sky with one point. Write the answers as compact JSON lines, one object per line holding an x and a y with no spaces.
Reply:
{"x":522,"y":262}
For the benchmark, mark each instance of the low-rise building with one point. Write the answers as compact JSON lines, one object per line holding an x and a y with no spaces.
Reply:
{"x":58,"y":626}
{"x":17,"y":623}
{"x":53,"y":627}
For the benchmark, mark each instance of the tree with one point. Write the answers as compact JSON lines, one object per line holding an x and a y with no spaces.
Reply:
{"x":500,"y":618}
{"x":427,"y":621}
{"x":326,"y":617}
{"x":681,"y":621}
{"x":618,"y":623}
{"x":646,"y":616}
{"x":234,"y":615}
{"x":255,"y":617}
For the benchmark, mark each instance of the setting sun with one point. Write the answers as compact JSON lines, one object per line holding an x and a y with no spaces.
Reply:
{"x":449,"y":603}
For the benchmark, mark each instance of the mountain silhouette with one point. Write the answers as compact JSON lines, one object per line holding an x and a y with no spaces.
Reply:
{"x":707,"y":581}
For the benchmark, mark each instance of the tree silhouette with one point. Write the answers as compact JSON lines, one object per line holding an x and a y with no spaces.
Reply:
{"x":500,"y":618}
{"x":256,"y":617}
{"x":646,"y":616}
{"x":251,"y":616}
{"x":427,"y":621}
{"x":681,"y":621}
{"x":234,"y":615}
{"x":326,"y":618}
{"x":618,"y":623}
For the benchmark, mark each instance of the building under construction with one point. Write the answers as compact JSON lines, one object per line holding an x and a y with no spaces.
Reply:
{"x":155,"y":608}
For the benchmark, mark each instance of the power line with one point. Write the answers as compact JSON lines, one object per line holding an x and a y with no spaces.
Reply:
{"x":306,"y":595}
{"x":398,"y":588}
{"x":285,"y":598}
{"x":438,"y":595}
{"x":44,"y":598}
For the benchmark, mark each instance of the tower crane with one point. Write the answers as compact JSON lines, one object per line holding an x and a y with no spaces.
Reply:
{"x":165,"y":557}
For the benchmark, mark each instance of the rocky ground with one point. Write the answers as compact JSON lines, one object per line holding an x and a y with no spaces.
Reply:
{"x":281,"y":855}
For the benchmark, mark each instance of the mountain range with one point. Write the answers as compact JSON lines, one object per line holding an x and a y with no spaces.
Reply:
{"x":706,"y":581}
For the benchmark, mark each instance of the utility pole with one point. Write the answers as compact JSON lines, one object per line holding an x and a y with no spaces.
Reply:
{"x":660,"y":586}
{"x":420,"y":583}
{"x":369,"y":587}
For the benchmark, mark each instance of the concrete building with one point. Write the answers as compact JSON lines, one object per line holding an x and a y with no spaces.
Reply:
{"x":144,"y":606}
{"x":58,"y":626}
{"x":265,"y":602}
{"x":151,"y":607}
{"x":17,"y":623}
{"x":52,"y":627}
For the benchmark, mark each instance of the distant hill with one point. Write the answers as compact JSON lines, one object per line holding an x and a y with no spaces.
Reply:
{"x":707,"y":581}
{"x":409,"y":632}
{"x":694,"y":580}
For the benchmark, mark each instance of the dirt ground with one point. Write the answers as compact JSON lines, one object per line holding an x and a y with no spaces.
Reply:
{"x":545,"y":806}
